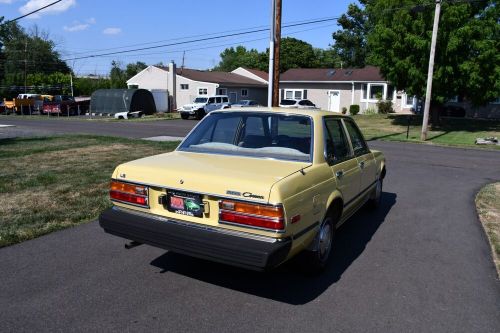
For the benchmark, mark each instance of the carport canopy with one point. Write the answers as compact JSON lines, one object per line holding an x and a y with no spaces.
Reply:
{"x":111,"y":101}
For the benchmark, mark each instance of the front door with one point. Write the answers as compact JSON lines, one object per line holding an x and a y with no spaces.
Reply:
{"x":233,"y":97}
{"x":341,"y":159}
{"x":334,"y":101}
{"x":365,"y":158}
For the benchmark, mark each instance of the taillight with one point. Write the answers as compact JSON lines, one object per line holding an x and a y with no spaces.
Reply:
{"x":255,"y":215}
{"x":129,"y":193}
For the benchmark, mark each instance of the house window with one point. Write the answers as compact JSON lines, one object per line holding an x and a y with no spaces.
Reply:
{"x":372,"y":92}
{"x":244,"y":92}
{"x":222,"y":91}
{"x":184,"y":86}
{"x":295,"y":94}
{"x":202,"y":91}
{"x":408,"y":101}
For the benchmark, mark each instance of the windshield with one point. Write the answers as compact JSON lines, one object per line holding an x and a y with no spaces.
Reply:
{"x":288,"y":102}
{"x":200,"y":100}
{"x":268,"y":135}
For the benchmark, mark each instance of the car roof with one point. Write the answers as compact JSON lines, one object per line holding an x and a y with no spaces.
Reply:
{"x":293,"y":111}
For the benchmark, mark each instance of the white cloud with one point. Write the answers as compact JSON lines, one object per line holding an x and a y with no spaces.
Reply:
{"x":112,"y":31}
{"x":77,"y":26}
{"x":6,"y":1}
{"x":32,"y":5}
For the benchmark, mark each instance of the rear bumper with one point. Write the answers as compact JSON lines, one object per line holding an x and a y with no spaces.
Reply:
{"x":197,"y":241}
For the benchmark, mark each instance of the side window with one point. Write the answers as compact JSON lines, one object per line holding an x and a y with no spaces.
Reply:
{"x":211,"y":100}
{"x":336,"y":143}
{"x":358,"y":143}
{"x":225,"y":100}
{"x":254,"y":126}
{"x":225,"y":130}
{"x":218,"y":100}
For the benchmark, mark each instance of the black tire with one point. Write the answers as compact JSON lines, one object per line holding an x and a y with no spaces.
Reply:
{"x":200,"y":114}
{"x":376,"y":195}
{"x":318,"y":258}
{"x":184,"y":115}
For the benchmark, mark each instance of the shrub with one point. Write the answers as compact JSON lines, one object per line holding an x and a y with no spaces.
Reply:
{"x":354,"y":109}
{"x":370,"y":111}
{"x":344,"y":110}
{"x":385,"y":107}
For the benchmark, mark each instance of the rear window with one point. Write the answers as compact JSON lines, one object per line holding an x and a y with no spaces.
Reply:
{"x":268,"y":135}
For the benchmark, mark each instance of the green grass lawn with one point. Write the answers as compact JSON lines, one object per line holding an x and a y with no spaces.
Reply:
{"x":451,"y":132}
{"x":488,"y":209}
{"x":51,"y":183}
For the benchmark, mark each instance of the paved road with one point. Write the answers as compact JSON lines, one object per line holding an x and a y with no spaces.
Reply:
{"x":420,"y":264}
{"x":81,"y":126}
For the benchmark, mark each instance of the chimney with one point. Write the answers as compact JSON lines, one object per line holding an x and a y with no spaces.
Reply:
{"x":172,"y":78}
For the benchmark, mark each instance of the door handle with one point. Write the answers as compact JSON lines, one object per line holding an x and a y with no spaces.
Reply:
{"x":339,"y":173}
{"x":362,"y":164}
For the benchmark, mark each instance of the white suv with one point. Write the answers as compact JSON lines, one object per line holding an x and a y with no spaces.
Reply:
{"x":203,"y":105}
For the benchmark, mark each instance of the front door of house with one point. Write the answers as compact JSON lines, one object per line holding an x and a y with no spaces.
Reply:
{"x":232,"y":97}
{"x":334,"y":101}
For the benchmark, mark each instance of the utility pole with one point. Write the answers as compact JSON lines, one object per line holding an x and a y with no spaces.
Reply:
{"x":274,"y":54}
{"x":183,"y":56}
{"x":428,"y":91}
{"x":277,"y":42}
{"x":71,"y":83}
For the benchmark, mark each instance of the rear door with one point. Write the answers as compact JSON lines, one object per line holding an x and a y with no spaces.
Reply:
{"x":341,"y":159}
{"x":363,"y":155}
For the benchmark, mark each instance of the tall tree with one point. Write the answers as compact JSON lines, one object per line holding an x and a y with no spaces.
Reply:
{"x":134,"y":68}
{"x":350,"y":41}
{"x":232,"y":58}
{"x":467,"y":60}
{"x":295,"y":53}
{"x":117,"y":75}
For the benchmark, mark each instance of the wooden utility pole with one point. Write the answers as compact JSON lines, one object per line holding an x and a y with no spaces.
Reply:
{"x":25,"y":64}
{"x":277,"y":42}
{"x":428,"y":91}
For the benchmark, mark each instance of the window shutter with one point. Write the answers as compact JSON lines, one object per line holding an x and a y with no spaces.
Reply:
{"x":282,"y":94}
{"x":304,"y":95}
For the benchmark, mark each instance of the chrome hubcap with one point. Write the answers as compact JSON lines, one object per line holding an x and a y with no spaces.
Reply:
{"x":325,"y":240}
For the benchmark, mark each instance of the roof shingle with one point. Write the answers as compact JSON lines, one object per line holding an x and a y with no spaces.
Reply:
{"x":223,"y":78}
{"x":368,"y":73}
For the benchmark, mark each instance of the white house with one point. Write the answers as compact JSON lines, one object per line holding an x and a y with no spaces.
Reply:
{"x":334,"y":89}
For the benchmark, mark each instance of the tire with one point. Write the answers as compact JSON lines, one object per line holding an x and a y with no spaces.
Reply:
{"x":317,"y":259}
{"x":200,"y":114}
{"x":184,"y":115}
{"x":376,"y":195}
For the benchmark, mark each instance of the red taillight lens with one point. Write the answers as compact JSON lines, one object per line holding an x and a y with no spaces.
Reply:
{"x":129,"y":193}
{"x":262,"y":216}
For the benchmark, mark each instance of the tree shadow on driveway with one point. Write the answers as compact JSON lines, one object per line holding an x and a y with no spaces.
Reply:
{"x":289,"y":283}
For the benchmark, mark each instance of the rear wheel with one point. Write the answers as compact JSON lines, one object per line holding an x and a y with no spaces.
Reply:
{"x":317,"y":258}
{"x":376,"y":195}
{"x":184,"y":115}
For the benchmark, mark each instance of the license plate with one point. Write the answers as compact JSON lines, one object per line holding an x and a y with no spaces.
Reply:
{"x":184,"y":203}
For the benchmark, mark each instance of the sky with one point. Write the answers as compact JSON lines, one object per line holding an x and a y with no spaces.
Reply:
{"x":90,"y":27}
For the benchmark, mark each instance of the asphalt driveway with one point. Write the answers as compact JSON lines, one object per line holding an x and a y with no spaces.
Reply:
{"x":419,"y":264}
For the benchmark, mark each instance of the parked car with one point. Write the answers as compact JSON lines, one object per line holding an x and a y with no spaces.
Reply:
{"x":28,"y":103}
{"x":249,"y":188}
{"x":297,"y":103}
{"x":128,"y":115}
{"x":202,"y":105}
{"x":245,"y":103}
{"x":65,"y":105}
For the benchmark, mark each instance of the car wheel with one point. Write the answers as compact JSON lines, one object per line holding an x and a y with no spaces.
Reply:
{"x":376,"y":195}
{"x":200,"y":114}
{"x":184,"y":115}
{"x":317,"y":259}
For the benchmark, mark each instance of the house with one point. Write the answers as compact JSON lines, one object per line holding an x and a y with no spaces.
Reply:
{"x":189,"y":83}
{"x":335,"y":89}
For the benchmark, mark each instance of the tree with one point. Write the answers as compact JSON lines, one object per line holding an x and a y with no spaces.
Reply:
{"x":133,"y":69}
{"x":467,"y":60}
{"x":350,"y":42}
{"x":117,"y":76}
{"x":232,"y":58}
{"x":295,"y":53}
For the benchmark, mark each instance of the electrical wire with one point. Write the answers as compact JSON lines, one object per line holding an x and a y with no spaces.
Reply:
{"x":31,"y":13}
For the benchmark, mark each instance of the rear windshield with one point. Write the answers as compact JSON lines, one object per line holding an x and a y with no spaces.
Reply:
{"x":267,"y":135}
{"x":200,"y":100}
{"x":288,"y":102}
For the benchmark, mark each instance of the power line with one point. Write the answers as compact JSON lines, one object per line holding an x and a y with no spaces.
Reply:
{"x":31,"y":13}
{"x":199,"y":40}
